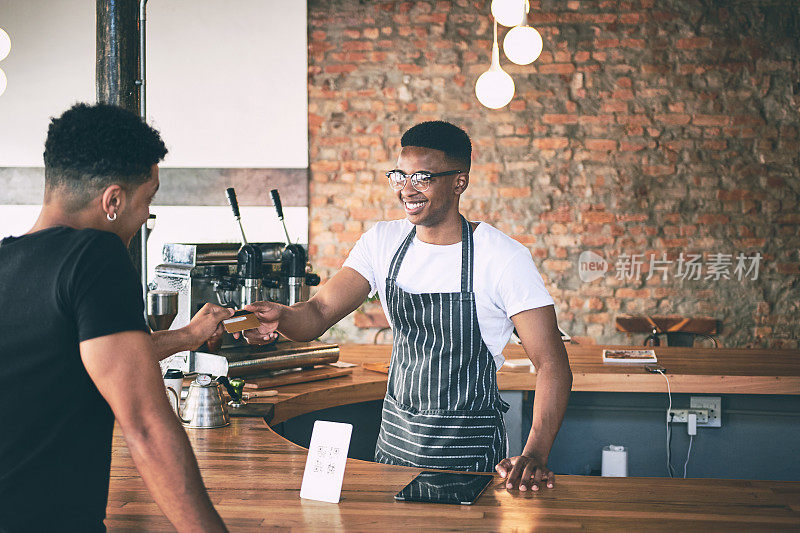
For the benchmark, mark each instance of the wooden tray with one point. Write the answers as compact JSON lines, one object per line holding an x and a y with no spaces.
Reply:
{"x":303,"y":376}
{"x":383,"y":368}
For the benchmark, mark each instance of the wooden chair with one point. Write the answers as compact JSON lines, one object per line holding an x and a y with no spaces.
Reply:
{"x":680,"y":331}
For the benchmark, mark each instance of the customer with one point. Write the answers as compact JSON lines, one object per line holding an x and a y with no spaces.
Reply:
{"x":75,"y":351}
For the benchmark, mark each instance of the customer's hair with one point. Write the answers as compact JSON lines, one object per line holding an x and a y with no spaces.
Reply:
{"x":90,"y":147}
{"x":441,"y":135}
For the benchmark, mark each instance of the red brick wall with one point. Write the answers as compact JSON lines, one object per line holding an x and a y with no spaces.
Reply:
{"x":645,"y":127}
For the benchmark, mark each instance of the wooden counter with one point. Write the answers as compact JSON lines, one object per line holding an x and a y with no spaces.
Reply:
{"x":254,"y":475}
{"x":690,"y":370}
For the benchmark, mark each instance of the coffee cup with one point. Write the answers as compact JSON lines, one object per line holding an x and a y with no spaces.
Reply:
{"x":173,"y":381}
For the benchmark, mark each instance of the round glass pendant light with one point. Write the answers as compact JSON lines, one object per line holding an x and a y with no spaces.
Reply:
{"x":508,"y":12}
{"x":3,"y":82}
{"x":523,"y":44}
{"x":495,"y":88}
{"x":5,"y":44}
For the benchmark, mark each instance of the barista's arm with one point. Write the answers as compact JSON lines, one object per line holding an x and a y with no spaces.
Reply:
{"x":538,"y":331}
{"x":122,"y":367}
{"x":205,"y":327}
{"x":305,"y":321}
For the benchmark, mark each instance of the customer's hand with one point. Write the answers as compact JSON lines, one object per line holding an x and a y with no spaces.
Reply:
{"x":525,"y":472}
{"x":206,"y":326}
{"x":268,"y":314}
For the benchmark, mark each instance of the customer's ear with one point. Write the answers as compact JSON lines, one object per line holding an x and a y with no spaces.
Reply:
{"x":113,"y":200}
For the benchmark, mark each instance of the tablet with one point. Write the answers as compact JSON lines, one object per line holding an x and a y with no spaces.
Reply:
{"x":444,"y":487}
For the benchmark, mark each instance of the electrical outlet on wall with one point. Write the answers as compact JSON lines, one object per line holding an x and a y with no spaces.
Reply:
{"x":714,"y":406}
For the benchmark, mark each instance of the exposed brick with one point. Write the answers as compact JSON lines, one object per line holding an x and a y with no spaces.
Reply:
{"x":673,"y":119}
{"x":551,"y":143}
{"x":692,"y":43}
{"x":643,"y":127}
{"x":711,"y":120}
{"x":557,"y":68}
{"x":602,"y":145}
{"x":514,"y":192}
{"x":606,"y":43}
{"x":597,"y":217}
{"x":612,"y":106}
{"x":658,"y":170}
{"x":559,"y":119}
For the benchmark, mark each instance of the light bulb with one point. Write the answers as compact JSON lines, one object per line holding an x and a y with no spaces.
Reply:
{"x":522,"y":45}
{"x":3,"y":82}
{"x":494,"y":88}
{"x":508,"y":12}
{"x":5,"y":44}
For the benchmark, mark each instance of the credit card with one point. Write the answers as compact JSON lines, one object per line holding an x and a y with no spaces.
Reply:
{"x":240,"y":321}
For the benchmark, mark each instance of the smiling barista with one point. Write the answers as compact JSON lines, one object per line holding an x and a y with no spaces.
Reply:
{"x":453,"y":291}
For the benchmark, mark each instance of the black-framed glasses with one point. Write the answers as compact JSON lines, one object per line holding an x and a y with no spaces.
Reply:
{"x":419,"y":180}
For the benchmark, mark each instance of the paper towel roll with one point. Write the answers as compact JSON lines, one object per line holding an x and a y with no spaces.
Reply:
{"x":615,"y":461}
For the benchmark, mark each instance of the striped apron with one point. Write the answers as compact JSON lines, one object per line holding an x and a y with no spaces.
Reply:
{"x":442,"y":407}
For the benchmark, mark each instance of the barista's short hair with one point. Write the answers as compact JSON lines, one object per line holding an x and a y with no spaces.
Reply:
{"x":90,"y":147}
{"x":441,"y":135}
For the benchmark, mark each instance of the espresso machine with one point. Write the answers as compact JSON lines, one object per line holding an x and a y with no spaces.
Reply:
{"x":234,"y":274}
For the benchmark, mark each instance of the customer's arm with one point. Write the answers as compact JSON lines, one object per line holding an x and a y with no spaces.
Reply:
{"x":305,"y":321}
{"x":205,"y":327}
{"x":124,"y":369}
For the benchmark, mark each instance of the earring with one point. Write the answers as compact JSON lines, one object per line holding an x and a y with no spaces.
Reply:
{"x":110,"y":218}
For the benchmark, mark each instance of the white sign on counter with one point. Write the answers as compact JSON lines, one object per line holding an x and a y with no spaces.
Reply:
{"x":327,"y":457}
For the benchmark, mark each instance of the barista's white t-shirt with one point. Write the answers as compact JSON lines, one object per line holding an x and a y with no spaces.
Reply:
{"x":506,"y":281}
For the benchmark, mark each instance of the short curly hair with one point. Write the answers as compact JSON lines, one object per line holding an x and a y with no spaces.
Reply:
{"x":441,"y":135}
{"x":90,"y":147}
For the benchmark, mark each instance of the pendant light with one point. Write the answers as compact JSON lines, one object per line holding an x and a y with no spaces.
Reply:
{"x":506,"y":12}
{"x":5,"y":44}
{"x":523,"y":44}
{"x":5,"y":48}
{"x":495,"y":88}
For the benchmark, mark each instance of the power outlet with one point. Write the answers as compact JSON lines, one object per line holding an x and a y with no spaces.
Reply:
{"x":714,"y":406}
{"x":681,"y":416}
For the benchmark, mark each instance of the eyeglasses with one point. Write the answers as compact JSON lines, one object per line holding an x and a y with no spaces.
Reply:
{"x":419,"y":180}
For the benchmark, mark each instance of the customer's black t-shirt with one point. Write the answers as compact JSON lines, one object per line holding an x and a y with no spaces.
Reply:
{"x":58,"y":287}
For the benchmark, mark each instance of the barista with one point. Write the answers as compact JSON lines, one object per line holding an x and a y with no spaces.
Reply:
{"x":75,"y":352}
{"x":453,"y":291}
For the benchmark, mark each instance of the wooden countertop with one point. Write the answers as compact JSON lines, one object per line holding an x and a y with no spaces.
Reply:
{"x":254,"y":475}
{"x":690,"y":370}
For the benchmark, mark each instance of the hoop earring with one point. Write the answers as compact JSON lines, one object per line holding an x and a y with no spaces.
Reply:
{"x":110,"y":218}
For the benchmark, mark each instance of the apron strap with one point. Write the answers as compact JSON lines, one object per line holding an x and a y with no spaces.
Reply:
{"x":467,"y":247}
{"x":400,"y":254}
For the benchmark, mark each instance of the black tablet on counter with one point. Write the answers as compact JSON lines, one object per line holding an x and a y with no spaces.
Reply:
{"x":445,"y":487}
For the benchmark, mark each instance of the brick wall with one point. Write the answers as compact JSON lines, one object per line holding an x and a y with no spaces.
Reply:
{"x":646,"y":127}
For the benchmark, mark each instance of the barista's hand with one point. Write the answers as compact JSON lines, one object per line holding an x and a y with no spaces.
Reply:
{"x":525,"y":472}
{"x":206,"y":326}
{"x":268,"y":314}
